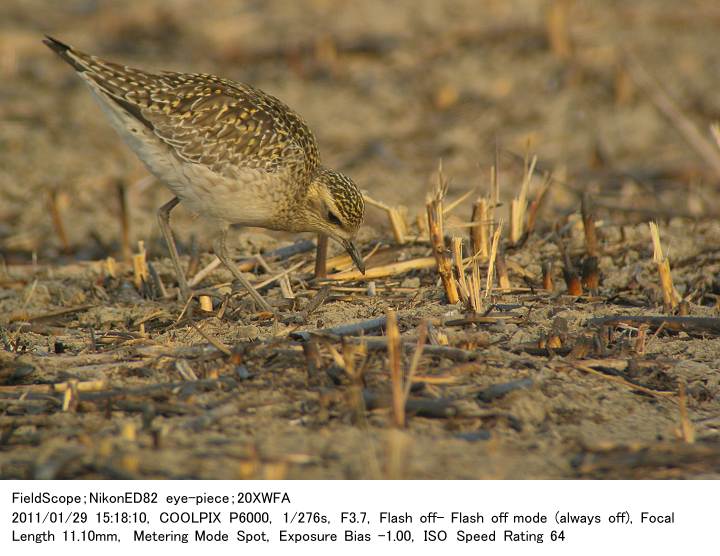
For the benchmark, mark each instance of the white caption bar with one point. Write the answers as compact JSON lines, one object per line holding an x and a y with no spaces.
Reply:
{"x":322,"y":517}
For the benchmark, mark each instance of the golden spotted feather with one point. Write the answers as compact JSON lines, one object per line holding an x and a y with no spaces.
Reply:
{"x":224,"y":125}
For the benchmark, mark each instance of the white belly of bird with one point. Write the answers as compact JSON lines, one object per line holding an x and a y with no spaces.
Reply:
{"x":249,"y":199}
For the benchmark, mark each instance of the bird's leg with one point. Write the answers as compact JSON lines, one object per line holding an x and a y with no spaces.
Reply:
{"x":221,"y":252}
{"x":164,"y":221}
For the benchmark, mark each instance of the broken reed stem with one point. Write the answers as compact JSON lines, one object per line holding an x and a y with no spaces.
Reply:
{"x":493,"y":256}
{"x":396,"y":380}
{"x":519,"y":205}
{"x":140,"y":269}
{"x":121,"y":190}
{"x":686,"y":428}
{"x":480,"y":231}
{"x":205,"y":303}
{"x":457,"y":244}
{"x":58,"y":223}
{"x":435,"y":225}
{"x":670,"y":298}
{"x":321,"y":256}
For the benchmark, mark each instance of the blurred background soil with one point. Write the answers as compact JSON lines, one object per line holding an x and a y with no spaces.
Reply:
{"x":389,"y":88}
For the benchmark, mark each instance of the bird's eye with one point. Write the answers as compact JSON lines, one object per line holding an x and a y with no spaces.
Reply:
{"x":334,"y":219}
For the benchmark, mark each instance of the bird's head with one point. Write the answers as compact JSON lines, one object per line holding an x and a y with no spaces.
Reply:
{"x":334,"y":206}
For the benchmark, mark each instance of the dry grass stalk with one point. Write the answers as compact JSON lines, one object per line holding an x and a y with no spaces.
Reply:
{"x":157,"y":281}
{"x":124,"y":220}
{"x":415,"y":361}
{"x":205,"y":303}
{"x":475,"y":286}
{"x":493,"y":256}
{"x":457,"y":245}
{"x":185,"y":370}
{"x":321,"y":256}
{"x":537,"y":203}
{"x":397,"y":222}
{"x":547,"y":277}
{"x":686,"y":428}
{"x":57,"y":220}
{"x":457,"y":202}
{"x":434,"y":207}
{"x":212,"y":339}
{"x":85,"y":386}
{"x":591,"y":274}
{"x":421,"y":221}
{"x":386,"y":270}
{"x":140,"y":268}
{"x":268,"y":281}
{"x":519,"y":205}
{"x":480,"y":231}
{"x":394,"y":348}
{"x":111,"y":267}
{"x":670,"y":296}
{"x":398,"y":447}
{"x":204,"y":272}
{"x":351,"y":354}
{"x":669,"y":108}
{"x":286,"y":288}
{"x":502,"y":271}
{"x":588,"y":218}
{"x":582,"y":366}
{"x":71,"y":396}
{"x":641,"y":340}
{"x":570,"y":273}
{"x":573,"y":282}
{"x":557,"y":23}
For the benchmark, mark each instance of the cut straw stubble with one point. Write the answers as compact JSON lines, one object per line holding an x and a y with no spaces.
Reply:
{"x":670,"y":296}
{"x":434,"y":207}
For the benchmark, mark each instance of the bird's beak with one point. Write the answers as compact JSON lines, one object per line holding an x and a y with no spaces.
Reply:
{"x":355,"y":254}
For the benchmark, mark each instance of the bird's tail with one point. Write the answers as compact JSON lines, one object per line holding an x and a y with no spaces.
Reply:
{"x":76,"y":59}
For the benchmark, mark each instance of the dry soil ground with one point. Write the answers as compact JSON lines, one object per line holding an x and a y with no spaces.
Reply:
{"x":142,"y":389}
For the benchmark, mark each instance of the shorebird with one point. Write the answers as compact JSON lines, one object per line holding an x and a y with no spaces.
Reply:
{"x":228,"y":151}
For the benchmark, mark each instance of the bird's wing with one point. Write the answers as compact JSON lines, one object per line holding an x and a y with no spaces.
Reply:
{"x":224,"y":125}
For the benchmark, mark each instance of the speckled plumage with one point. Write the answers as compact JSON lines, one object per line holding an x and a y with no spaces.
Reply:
{"x":228,"y":151}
